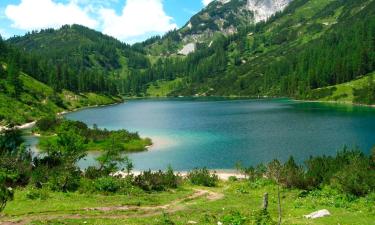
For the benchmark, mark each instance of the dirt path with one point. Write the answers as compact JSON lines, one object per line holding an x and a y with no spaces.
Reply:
{"x":134,"y":211}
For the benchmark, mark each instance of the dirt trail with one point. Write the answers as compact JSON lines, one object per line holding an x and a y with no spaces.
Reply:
{"x":134,"y":211}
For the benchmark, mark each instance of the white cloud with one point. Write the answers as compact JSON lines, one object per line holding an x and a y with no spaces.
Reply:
{"x":206,"y":2}
{"x":37,"y":14}
{"x":138,"y":17}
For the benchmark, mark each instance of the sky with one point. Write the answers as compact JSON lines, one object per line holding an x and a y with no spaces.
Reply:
{"x":127,"y":20}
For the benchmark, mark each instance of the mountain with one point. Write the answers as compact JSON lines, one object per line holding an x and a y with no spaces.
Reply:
{"x":304,"y":46}
{"x":78,"y":59}
{"x":309,"y":45}
{"x":220,"y":17}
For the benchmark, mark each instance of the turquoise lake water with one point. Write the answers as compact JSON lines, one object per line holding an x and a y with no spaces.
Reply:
{"x":217,"y":133}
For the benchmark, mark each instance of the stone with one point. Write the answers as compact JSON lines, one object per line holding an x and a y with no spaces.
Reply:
{"x":318,"y":214}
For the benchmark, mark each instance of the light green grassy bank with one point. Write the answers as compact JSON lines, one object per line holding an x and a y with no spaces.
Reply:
{"x":189,"y":204}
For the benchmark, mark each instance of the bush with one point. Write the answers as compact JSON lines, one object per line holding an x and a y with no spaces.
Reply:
{"x":64,"y":179}
{"x":356,"y":178}
{"x":6,"y":193}
{"x":235,"y":218}
{"x":48,"y":123}
{"x":203,"y":177}
{"x":157,"y":181}
{"x":93,"y":173}
{"x":107,"y":185}
{"x":262,"y":217}
{"x":34,"y":194}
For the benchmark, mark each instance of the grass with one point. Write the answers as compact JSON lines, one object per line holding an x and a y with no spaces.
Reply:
{"x":341,"y":92}
{"x":238,"y":196}
{"x":35,"y":101}
{"x":164,"y":88}
{"x":133,"y":145}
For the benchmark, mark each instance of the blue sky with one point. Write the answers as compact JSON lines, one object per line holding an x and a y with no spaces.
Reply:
{"x":127,"y":20}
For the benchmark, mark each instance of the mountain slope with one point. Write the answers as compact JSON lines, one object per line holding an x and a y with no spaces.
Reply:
{"x":220,"y":17}
{"x":78,"y":58}
{"x":311,"y":44}
{"x":24,"y":99}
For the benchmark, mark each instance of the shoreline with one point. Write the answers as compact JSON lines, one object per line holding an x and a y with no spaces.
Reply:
{"x":223,"y":174}
{"x":29,"y":125}
{"x":251,"y":98}
{"x":335,"y":103}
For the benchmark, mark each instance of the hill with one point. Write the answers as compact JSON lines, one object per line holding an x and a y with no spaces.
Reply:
{"x":78,"y":59}
{"x":359,"y":91}
{"x":309,"y":45}
{"x":24,"y":99}
{"x":220,"y":17}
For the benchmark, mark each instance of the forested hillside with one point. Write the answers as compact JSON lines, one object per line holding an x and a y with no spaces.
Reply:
{"x":79,"y":59}
{"x":311,"y":44}
{"x":25,"y":99}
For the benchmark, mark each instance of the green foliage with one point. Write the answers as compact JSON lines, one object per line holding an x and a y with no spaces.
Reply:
{"x":37,"y":194}
{"x":350,"y":171}
{"x":234,"y":218}
{"x":292,"y":175}
{"x":165,"y":220}
{"x":107,"y":184}
{"x":366,"y":95}
{"x":356,"y":178}
{"x":6,"y":193}
{"x":15,"y":159}
{"x":203,"y":177}
{"x":263,"y":217}
{"x":157,"y":181}
{"x":94,"y":139}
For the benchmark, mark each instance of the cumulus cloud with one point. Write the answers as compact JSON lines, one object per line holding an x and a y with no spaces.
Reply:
{"x":31,"y":14}
{"x":206,"y":2}
{"x":137,"y":18}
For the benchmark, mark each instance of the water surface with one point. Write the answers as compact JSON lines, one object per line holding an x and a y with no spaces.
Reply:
{"x":214,"y":133}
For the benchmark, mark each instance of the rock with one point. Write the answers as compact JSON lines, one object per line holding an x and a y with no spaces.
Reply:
{"x":192,"y":222}
{"x":318,"y":214}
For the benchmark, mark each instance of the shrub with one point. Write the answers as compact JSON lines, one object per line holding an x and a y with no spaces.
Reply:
{"x":262,"y":217}
{"x":6,"y":193}
{"x":166,"y":220}
{"x":234,"y":218}
{"x":356,"y":178}
{"x":292,"y":175}
{"x":232,"y":179}
{"x":41,"y":194}
{"x":93,"y":173}
{"x":48,"y":123}
{"x":107,"y":184}
{"x":157,"y":181}
{"x":64,"y":179}
{"x":203,"y":177}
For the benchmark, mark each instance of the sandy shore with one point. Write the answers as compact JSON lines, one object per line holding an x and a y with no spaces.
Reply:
{"x":222,"y":174}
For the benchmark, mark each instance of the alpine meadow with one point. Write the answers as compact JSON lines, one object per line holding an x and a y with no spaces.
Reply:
{"x":249,"y":112}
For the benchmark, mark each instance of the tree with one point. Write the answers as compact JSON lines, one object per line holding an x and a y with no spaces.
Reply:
{"x":67,"y":150}
{"x":6,"y":193}
{"x":114,"y":157}
{"x":13,"y":76}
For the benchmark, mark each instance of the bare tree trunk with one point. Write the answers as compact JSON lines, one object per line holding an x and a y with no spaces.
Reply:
{"x":278,"y":196}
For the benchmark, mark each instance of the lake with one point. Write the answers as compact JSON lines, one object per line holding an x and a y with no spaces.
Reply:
{"x":217,"y":133}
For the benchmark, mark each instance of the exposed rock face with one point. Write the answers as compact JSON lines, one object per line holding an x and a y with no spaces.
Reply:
{"x":263,"y":9}
{"x":187,"y":49}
